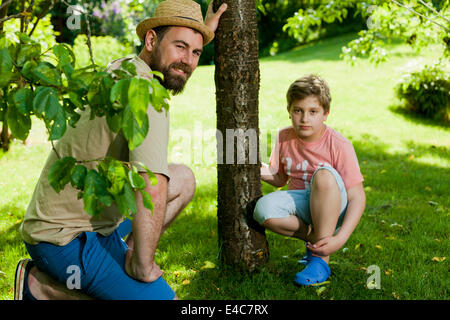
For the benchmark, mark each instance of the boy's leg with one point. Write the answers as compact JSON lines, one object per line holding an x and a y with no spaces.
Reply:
{"x":325,"y":205}
{"x":276,"y":211}
{"x":181,"y":190}
{"x":328,"y":202}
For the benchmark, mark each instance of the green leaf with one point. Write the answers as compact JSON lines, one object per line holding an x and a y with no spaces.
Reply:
{"x":95,"y":194}
{"x":47,"y":74}
{"x":47,"y":106}
{"x":60,"y":173}
{"x":129,"y":66}
{"x":77,"y":176}
{"x":146,"y":200}
{"x":137,"y":182}
{"x":64,"y":54}
{"x":71,"y":115}
{"x":6,"y":64}
{"x":76,"y":100}
{"x":46,"y":102}
{"x":6,"y":67}
{"x":19,"y":124}
{"x":23,"y":99}
{"x":99,"y":93}
{"x":58,"y":125}
{"x":27,"y":68}
{"x":159,"y":96}
{"x":28,"y":52}
{"x":134,"y":133}
{"x":114,"y":121}
{"x":126,"y":201}
{"x":138,"y":99}
{"x":116,"y":175}
{"x":158,"y":74}
{"x":119,"y":92}
{"x":24,"y":38}
{"x":5,"y":79}
{"x":150,"y":174}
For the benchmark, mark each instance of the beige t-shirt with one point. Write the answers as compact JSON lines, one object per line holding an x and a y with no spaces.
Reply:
{"x":58,"y":218}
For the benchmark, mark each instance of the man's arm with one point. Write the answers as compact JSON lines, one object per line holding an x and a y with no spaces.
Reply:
{"x":355,"y":208}
{"x":146,"y":226}
{"x":276,"y":179}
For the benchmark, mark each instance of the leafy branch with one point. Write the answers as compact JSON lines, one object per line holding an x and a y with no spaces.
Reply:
{"x":386,"y":20}
{"x":57,"y":93}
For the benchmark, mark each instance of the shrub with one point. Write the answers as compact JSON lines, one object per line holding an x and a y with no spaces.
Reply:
{"x":427,"y":92}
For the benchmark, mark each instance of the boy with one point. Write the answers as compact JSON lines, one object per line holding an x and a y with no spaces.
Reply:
{"x":325,"y":197}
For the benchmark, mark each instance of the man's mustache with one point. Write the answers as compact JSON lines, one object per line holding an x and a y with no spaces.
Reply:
{"x":181,"y":66}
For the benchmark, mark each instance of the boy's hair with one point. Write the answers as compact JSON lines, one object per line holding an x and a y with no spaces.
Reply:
{"x":310,"y":85}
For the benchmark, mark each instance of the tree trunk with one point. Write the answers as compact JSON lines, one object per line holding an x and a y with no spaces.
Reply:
{"x":242,"y":242}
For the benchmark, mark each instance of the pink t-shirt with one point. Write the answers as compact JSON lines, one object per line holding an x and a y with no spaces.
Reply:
{"x":300,"y":159}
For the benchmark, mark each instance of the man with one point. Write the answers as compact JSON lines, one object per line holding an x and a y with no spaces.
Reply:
{"x":71,"y":250}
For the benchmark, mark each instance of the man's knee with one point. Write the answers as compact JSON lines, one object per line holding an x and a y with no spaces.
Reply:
{"x":185,"y":179}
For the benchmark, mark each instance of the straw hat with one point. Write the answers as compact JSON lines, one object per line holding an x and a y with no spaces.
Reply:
{"x":183,"y":13}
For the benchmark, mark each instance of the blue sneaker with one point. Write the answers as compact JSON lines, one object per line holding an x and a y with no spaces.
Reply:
{"x":316,"y":271}
{"x":307,"y":258}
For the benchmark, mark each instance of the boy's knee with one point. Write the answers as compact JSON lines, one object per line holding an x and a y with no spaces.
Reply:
{"x":324,"y":179}
{"x":260,"y":212}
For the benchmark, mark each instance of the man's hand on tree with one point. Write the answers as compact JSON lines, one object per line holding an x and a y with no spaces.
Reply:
{"x":212,"y":19}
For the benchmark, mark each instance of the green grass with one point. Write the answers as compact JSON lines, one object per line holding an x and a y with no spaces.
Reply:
{"x":405,"y":162}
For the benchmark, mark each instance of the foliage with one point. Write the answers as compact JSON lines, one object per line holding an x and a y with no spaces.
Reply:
{"x":414,"y":22}
{"x":43,"y":82}
{"x":105,"y":49}
{"x":427,"y":92}
{"x":120,"y":18}
{"x":43,"y":34}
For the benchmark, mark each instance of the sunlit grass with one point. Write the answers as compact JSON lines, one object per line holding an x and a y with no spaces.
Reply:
{"x":405,"y":162}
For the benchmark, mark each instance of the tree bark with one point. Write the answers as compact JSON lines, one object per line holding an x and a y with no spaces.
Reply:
{"x":242,"y":242}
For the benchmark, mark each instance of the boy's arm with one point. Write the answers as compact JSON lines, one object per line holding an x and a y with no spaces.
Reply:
{"x":355,"y":208}
{"x":277,"y":179}
{"x":146,"y":228}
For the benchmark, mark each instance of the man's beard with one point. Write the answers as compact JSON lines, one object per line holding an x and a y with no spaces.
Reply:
{"x":174,"y":83}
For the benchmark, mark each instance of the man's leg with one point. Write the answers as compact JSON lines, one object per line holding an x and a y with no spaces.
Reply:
{"x":325,"y":205}
{"x":181,"y":190}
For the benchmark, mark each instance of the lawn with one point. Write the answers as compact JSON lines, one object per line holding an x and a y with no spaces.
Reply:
{"x":405,"y":161}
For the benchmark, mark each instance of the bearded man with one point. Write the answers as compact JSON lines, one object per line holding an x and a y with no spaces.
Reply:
{"x":62,"y":239}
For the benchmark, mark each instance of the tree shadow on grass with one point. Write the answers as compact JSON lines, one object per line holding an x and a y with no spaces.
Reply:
{"x":417,"y":118}
{"x":327,"y":50}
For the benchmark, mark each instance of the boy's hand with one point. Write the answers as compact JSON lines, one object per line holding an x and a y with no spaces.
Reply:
{"x":325,"y":246}
{"x":211,"y":18}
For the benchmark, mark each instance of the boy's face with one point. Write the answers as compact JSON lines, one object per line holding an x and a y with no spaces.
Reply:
{"x":307,"y":118}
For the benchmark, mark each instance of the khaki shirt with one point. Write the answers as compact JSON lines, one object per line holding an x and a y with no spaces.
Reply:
{"x":58,"y":218}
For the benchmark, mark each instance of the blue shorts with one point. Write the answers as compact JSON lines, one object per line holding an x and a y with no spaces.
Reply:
{"x":283,"y":203}
{"x":96,"y":265}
